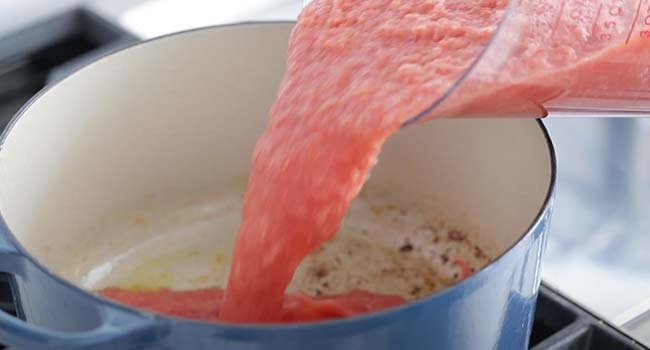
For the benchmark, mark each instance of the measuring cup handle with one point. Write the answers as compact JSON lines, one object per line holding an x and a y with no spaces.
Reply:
{"x":103,"y":326}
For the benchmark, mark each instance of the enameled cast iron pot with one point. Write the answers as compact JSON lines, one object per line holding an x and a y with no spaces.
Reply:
{"x":180,"y":115}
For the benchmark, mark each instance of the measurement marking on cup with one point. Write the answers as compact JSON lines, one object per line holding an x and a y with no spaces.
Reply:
{"x":559,"y":18}
{"x":645,"y":30}
{"x":593,"y":27}
{"x":636,"y":18}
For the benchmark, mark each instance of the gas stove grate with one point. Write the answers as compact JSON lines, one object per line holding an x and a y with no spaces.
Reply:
{"x":8,"y":298}
{"x":8,"y":302}
{"x":562,"y":325}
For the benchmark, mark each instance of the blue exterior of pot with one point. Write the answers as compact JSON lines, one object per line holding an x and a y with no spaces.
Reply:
{"x":493,"y":309}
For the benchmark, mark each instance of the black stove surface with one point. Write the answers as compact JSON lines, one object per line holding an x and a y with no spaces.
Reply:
{"x":39,"y":55}
{"x":562,"y":325}
{"x":48,"y":51}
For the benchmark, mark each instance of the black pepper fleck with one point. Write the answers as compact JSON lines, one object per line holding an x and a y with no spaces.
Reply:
{"x":406,"y":247}
{"x":478,"y":253}
{"x":455,"y":235}
{"x":321,"y":272}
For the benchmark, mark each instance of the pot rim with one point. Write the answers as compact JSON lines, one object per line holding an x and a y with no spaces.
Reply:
{"x":376,"y":317}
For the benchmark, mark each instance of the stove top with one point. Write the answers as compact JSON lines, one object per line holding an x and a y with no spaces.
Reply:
{"x":597,"y":253}
{"x":562,"y":325}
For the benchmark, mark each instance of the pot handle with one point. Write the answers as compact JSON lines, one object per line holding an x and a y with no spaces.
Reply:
{"x":115,"y":327}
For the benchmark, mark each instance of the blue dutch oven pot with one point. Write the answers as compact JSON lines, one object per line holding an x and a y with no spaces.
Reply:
{"x":181,"y":113}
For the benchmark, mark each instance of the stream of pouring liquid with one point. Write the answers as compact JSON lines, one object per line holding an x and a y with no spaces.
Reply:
{"x":357,"y":70}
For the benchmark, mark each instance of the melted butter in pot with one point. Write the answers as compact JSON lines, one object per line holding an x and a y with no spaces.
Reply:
{"x":380,"y":248}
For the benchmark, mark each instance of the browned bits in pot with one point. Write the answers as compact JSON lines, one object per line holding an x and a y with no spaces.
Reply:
{"x":321,"y":272}
{"x":406,"y":247}
{"x":455,"y":235}
{"x":414,"y":264}
{"x":478,"y":253}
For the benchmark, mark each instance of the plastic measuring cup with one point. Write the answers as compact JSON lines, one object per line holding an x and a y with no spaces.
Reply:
{"x":557,"y":57}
